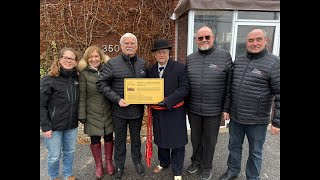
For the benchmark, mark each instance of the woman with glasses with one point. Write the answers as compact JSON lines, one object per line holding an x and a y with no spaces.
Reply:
{"x":59,"y":94}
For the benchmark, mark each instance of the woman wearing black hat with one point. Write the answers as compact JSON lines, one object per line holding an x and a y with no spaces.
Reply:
{"x":169,"y":122}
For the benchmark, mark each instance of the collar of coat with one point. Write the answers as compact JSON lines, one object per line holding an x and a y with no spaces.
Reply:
{"x":206,"y":52}
{"x":257,"y":55}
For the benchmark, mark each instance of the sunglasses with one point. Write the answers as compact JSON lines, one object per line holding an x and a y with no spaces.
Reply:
{"x":206,"y":37}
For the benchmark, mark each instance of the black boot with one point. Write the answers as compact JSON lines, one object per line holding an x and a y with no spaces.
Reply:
{"x":140,"y":168}
{"x":227,"y":176}
{"x":118,"y":174}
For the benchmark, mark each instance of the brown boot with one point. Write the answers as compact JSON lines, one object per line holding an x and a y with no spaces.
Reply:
{"x":96,"y":152}
{"x":71,"y":178}
{"x":108,"y":147}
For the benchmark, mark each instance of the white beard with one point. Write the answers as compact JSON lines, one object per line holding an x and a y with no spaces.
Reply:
{"x":203,"y":48}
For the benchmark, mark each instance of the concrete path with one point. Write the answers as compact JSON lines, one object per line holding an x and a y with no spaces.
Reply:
{"x":84,"y":164}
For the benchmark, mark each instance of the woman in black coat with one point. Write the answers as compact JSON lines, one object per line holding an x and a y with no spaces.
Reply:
{"x":169,"y":125}
{"x":59,"y":97}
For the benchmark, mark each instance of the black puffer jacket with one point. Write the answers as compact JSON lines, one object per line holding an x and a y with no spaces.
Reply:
{"x":209,"y":74}
{"x":111,"y":83}
{"x":255,"y":83}
{"x":59,"y":101}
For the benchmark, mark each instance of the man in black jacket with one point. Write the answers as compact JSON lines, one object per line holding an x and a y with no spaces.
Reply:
{"x":209,"y":72}
{"x":111,"y":85}
{"x":255,"y":85}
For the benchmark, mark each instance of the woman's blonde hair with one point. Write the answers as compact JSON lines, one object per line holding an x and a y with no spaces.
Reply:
{"x":83,"y":63}
{"x":54,"y":70}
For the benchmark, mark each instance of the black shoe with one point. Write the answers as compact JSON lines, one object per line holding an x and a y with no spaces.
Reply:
{"x":140,"y":169}
{"x":118,"y":174}
{"x":227,"y":176}
{"x":193,"y":168}
{"x":206,"y":174}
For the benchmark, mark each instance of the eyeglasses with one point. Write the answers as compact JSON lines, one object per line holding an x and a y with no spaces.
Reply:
{"x":206,"y":37}
{"x":65,"y":58}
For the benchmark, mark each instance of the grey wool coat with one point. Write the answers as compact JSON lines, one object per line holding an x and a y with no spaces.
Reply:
{"x":94,"y":109}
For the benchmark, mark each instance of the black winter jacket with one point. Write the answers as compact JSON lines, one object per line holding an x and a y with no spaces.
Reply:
{"x":255,"y":84}
{"x":59,"y":101}
{"x":209,"y":74}
{"x":111,"y":83}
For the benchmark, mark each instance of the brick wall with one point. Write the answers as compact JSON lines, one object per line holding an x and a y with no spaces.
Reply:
{"x":182,"y":38}
{"x":81,"y":23}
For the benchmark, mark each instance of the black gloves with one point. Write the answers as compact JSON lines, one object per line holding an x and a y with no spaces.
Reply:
{"x":162,"y":104}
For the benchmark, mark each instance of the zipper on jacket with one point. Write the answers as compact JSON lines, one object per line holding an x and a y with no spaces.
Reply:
{"x":201,"y":89}
{"x":71,"y":103}
{"x":53,"y":112}
{"x":240,"y":84}
{"x":130,"y":66}
{"x":68,"y":93}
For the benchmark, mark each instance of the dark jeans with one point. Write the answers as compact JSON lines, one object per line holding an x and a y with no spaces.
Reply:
{"x":204,"y":134}
{"x":175,"y":158}
{"x":256,"y":135}
{"x":120,"y":129}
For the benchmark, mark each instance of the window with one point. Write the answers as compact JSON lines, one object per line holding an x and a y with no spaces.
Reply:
{"x":259,"y":15}
{"x":221,"y":24}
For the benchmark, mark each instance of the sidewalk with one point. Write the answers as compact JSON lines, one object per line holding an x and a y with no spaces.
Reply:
{"x":84,"y":166}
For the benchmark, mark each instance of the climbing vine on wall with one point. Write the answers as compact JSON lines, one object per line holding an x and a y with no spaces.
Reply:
{"x":81,"y":23}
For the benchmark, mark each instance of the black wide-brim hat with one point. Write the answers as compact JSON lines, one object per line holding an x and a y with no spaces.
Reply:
{"x":161,"y":44}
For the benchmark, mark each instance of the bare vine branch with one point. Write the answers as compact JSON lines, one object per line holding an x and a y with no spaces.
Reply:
{"x":82,"y":23}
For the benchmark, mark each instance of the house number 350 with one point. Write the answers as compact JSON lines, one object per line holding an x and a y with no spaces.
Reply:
{"x":110,"y":48}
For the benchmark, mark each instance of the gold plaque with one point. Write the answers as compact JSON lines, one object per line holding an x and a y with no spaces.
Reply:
{"x":143,"y":90}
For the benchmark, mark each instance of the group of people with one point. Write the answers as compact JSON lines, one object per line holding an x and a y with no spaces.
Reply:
{"x":208,"y":88}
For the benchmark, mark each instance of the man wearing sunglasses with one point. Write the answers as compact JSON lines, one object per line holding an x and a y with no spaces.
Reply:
{"x":209,"y":71}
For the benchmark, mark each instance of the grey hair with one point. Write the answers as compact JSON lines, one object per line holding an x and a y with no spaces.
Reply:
{"x":262,"y":30}
{"x":128,"y":35}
